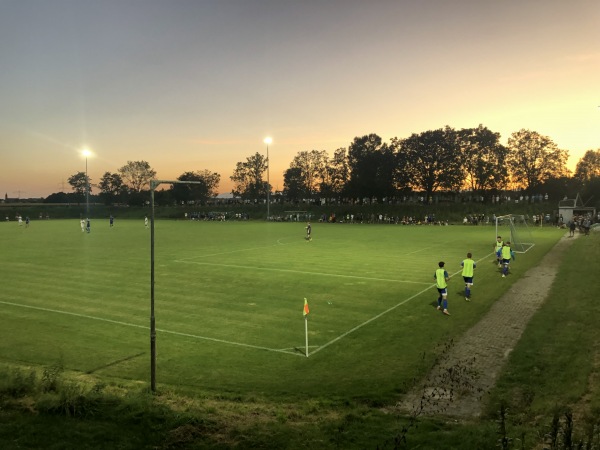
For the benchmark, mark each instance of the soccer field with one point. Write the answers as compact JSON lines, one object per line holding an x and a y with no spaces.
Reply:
{"x":229,"y":298}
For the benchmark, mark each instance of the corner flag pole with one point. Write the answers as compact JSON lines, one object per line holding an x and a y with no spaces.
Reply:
{"x":305,"y":312}
{"x":306,"y":333}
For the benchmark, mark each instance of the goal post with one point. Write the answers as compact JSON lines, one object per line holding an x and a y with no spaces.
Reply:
{"x":515,"y":225}
{"x":296,"y":216}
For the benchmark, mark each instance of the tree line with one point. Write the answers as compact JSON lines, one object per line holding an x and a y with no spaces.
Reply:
{"x":441,"y":160}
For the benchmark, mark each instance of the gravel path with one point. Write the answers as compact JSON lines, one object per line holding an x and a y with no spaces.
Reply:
{"x":472,"y":364}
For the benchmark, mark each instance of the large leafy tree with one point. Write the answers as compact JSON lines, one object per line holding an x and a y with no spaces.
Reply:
{"x":313,"y":170}
{"x":80,"y":184}
{"x":587,"y":175}
{"x":483,"y":158}
{"x":248,"y":178}
{"x":389,"y":178}
{"x":111,"y":186}
{"x":431,"y":160}
{"x":137,"y":175}
{"x":293,"y":184}
{"x":369,"y":162}
{"x":533,"y":159}
{"x":204,"y":187}
{"x":337,"y":174}
{"x":560,"y":187}
{"x":588,"y":167}
{"x":62,"y":197}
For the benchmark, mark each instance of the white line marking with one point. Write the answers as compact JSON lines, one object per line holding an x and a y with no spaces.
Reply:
{"x":420,"y":250}
{"x":281,"y":239}
{"x":234,"y":251}
{"x":236,"y":266}
{"x":286,"y":351}
{"x":230,"y":342}
{"x":371,"y":320}
{"x":386,"y":311}
{"x":57,"y":311}
{"x":148,"y":328}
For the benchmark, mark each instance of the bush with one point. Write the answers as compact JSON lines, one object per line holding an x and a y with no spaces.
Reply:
{"x":71,"y":400}
{"x":17,"y":383}
{"x":51,"y":377}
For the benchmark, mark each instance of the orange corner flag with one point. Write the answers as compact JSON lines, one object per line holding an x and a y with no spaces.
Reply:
{"x":306,"y":311}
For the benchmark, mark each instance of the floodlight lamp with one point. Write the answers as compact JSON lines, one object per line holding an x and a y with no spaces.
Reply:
{"x":268,"y":140}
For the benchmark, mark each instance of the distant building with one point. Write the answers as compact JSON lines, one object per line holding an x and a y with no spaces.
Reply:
{"x":569,"y":207}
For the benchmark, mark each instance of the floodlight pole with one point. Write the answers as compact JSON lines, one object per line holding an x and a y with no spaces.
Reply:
{"x":268,"y":184}
{"x":86,"y":153}
{"x":153,"y":185}
{"x":87,"y":191}
{"x":267,"y":141}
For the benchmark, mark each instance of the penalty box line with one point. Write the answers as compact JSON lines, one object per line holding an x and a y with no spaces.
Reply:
{"x":210,"y":255}
{"x":301,"y":272}
{"x":127,"y":324}
{"x":387,"y":311}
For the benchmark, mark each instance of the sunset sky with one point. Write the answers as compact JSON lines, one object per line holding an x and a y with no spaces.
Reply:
{"x":191,"y":85}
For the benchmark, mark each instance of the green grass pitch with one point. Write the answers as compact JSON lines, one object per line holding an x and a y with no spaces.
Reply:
{"x":229,"y":299}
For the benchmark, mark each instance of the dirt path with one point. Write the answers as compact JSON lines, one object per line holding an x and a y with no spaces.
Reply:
{"x":471,"y":365}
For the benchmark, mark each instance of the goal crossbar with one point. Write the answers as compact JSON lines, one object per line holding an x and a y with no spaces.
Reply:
{"x":521,"y":240}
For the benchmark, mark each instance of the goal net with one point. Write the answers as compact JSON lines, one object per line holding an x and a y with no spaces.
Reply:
{"x":516,"y":226}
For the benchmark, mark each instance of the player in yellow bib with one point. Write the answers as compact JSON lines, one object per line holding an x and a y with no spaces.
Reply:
{"x":441,"y":280}
{"x":498,"y":250}
{"x":468,"y":266}
{"x":507,"y":255}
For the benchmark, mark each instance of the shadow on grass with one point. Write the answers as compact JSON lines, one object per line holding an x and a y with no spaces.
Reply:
{"x":114,"y":363}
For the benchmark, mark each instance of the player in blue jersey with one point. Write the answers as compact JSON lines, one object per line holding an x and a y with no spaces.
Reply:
{"x":441,"y":280}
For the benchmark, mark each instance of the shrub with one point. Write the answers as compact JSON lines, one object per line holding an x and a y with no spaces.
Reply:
{"x":17,"y":383}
